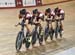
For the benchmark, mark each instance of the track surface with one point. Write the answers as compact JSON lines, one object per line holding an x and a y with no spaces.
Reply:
{"x":8,"y":33}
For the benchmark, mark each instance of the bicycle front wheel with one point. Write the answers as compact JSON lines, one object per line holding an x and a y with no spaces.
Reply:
{"x":19,"y":41}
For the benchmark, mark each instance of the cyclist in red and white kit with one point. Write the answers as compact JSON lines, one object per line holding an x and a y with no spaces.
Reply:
{"x":60,"y":14}
{"x":25,"y":17}
{"x":50,"y":15}
{"x":38,"y":19}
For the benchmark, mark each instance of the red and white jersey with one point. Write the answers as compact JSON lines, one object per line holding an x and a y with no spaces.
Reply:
{"x":61,"y":11}
{"x":39,"y":16}
{"x":26,"y":16}
{"x":61,"y":14}
{"x":52,"y":13}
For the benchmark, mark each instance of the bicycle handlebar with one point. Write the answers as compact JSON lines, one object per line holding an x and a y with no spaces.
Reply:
{"x":22,"y":24}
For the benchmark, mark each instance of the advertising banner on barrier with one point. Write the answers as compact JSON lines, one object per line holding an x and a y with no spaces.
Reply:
{"x":29,"y":2}
{"x":7,"y":3}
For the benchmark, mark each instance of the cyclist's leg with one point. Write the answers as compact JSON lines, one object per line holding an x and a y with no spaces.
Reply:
{"x":53,"y":29}
{"x":41,"y":32}
{"x":61,"y":28}
{"x":62,"y":25}
{"x":50,"y":30}
{"x":25,"y":31}
{"x":53,"y":25}
{"x":56,"y":26}
{"x":46,"y":30}
{"x":50,"y":25}
{"x":28,"y":26}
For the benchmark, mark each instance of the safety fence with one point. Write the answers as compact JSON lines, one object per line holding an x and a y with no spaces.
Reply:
{"x":27,"y":3}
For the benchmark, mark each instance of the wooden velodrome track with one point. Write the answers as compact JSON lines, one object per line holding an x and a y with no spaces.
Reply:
{"x":8,"y":32}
